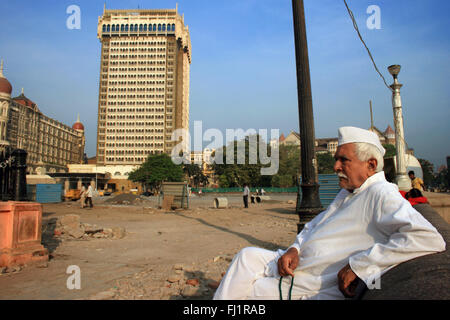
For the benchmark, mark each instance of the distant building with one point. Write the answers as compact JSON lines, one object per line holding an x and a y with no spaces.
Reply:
{"x":320,"y":145}
{"x":204,"y":160}
{"x":197,"y":158}
{"x":92,"y":160}
{"x":323,"y":145}
{"x":386,"y":137}
{"x":50,"y":144}
{"x":293,"y":138}
{"x":326,"y":145}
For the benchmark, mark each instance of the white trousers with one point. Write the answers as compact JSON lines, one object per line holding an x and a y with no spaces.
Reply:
{"x":253,"y":274}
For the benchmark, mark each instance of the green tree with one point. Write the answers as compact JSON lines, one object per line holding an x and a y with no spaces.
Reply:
{"x":195,"y":174}
{"x":390,"y":151}
{"x":155,"y":170}
{"x":325,"y":163}
{"x":282,"y":181}
{"x":289,"y":166}
{"x":441,"y":178}
{"x":428,"y":169}
{"x":236,"y":174}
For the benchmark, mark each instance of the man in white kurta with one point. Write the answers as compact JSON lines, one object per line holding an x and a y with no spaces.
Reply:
{"x":365,"y":231}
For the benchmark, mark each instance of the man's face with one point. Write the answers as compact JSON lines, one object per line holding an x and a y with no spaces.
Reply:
{"x":411,"y":176}
{"x":352,"y":172}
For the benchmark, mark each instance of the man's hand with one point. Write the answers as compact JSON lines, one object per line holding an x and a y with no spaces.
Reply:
{"x":347,"y":280}
{"x":288,"y":262}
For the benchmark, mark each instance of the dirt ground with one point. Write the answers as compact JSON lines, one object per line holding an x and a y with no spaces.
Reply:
{"x":161,"y":251}
{"x":164,"y":255}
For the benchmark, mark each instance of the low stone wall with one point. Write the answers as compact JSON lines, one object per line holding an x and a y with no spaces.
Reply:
{"x":424,"y":278}
{"x":440,"y":203}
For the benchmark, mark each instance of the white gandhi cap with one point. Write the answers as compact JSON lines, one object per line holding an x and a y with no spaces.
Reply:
{"x":353,"y":134}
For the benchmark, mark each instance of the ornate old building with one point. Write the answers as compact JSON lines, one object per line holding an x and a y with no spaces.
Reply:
{"x":50,"y":144}
{"x":144,"y":84}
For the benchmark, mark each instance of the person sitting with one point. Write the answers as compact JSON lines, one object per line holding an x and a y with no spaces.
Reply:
{"x":416,"y":182}
{"x":367,"y":230}
{"x":414,"y":196}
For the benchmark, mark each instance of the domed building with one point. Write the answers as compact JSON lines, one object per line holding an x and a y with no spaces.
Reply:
{"x":5,"y":96}
{"x":50,"y":144}
{"x":5,"y":86}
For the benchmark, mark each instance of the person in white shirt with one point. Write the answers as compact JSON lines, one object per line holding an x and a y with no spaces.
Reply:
{"x":245,"y":195}
{"x":89,"y":196}
{"x":367,"y":230}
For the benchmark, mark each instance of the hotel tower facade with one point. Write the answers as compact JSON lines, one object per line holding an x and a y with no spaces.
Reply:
{"x":144,"y":84}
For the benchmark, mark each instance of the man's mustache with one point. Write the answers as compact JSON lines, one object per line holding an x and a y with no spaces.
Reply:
{"x":341,"y":175}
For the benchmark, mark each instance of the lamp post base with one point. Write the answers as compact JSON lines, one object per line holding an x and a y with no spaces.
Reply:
{"x":305,"y":216}
{"x":403,"y":182}
{"x":309,"y":205}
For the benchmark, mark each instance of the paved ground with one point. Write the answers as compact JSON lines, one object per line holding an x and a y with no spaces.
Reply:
{"x":161,"y":250}
{"x":159,"y":246}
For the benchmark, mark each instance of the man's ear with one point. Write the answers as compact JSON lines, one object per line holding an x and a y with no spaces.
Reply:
{"x":372,"y":164}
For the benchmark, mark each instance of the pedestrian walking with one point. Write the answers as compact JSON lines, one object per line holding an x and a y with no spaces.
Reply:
{"x":89,"y":193}
{"x":245,"y":195}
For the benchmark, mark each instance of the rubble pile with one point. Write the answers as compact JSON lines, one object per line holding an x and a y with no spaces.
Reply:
{"x":69,"y":226}
{"x":126,"y":199}
{"x":181,"y":282}
{"x":12,"y":269}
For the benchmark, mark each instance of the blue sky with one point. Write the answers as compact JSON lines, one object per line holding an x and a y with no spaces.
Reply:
{"x":243,"y":64}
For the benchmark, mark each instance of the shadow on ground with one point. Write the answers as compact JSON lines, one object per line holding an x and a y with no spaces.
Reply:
{"x":252,"y":240}
{"x":48,"y":234}
{"x":283,"y":210}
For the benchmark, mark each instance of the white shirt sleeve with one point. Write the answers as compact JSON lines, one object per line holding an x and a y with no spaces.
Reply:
{"x":408,"y":233}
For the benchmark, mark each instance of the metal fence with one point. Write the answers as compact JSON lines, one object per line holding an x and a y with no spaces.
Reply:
{"x":329,"y":188}
{"x":13,"y":175}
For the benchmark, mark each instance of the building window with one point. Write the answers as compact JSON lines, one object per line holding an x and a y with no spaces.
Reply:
{"x":131,"y":27}
{"x":104,"y":27}
{"x":159,"y":27}
{"x":107,"y":28}
{"x":145,"y":27}
{"x":126,"y":28}
{"x":173,"y":27}
{"x":163,"y":27}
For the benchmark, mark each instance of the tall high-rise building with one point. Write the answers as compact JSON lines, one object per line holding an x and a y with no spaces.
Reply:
{"x":144,"y":83}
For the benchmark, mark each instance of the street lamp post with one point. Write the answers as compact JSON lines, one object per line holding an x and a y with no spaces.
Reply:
{"x":402,"y":180}
{"x":310,"y":205}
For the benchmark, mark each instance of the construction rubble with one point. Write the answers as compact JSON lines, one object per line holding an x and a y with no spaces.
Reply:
{"x":69,"y":226}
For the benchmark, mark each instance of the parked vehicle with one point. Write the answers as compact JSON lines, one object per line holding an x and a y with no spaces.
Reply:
{"x":72,"y":195}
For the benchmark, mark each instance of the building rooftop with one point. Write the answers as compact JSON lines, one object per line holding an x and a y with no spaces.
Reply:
{"x":5,"y":85}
